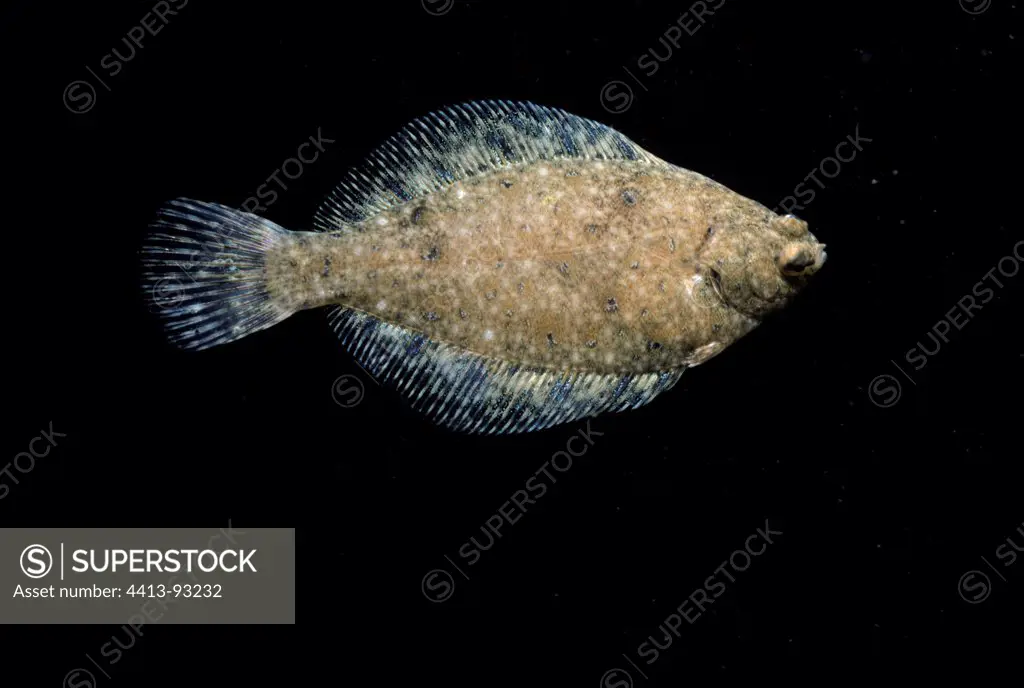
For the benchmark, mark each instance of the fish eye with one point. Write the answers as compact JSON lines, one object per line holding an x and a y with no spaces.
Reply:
{"x":794,"y":259}
{"x":793,"y":226}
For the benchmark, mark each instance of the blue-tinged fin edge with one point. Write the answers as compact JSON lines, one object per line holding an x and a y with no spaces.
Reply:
{"x":465,"y":141}
{"x":470,"y":393}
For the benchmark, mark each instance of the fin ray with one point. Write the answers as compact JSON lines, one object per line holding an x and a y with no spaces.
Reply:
{"x":464,"y":141}
{"x":203,"y":272}
{"x":471,"y":393}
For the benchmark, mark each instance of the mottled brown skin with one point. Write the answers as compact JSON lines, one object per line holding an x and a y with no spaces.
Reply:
{"x":603,"y":266}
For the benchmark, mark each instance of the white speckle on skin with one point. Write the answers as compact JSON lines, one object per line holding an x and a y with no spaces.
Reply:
{"x":502,"y":257}
{"x":382,"y":221}
{"x":694,"y":281}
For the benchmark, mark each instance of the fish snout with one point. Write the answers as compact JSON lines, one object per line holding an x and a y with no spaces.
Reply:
{"x":800,"y":259}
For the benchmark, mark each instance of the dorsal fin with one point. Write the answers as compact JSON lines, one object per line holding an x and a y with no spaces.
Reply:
{"x":470,"y":393}
{"x":465,"y":141}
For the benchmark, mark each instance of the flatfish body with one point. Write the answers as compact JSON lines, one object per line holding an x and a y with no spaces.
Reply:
{"x":506,"y":267}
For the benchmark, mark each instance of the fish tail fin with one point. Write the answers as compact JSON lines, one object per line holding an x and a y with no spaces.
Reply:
{"x":203,"y":273}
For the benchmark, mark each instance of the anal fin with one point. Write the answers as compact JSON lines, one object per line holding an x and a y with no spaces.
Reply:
{"x":470,"y":393}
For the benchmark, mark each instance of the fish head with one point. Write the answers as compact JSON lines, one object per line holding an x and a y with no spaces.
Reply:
{"x":757,"y":267}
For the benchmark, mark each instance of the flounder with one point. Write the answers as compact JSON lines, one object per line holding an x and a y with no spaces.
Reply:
{"x":505,"y":267}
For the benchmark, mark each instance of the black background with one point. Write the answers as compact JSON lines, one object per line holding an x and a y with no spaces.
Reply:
{"x":881,"y":509}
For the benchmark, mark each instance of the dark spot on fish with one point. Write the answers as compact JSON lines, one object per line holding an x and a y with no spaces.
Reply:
{"x":520,"y":287}
{"x":653,"y":346}
{"x":417,"y":215}
{"x":463,"y":314}
{"x":551,"y":339}
{"x":643,"y":313}
{"x":635,"y":265}
{"x":572,"y":173}
{"x":592,"y":229}
{"x":506,"y":183}
{"x":372,"y":274}
{"x":716,"y":327}
{"x":327,"y":267}
{"x":630,"y":196}
{"x":611,"y":306}
{"x":415,"y":346}
{"x":661,"y":286}
{"x":499,"y":265}
{"x":431,"y":316}
{"x":711,"y":231}
{"x":672,"y":245}
{"x":591,"y":343}
{"x":375,"y":249}
{"x":432,"y":254}
{"x":394,"y":284}
{"x":564,"y":268}
{"x":491,"y":294}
